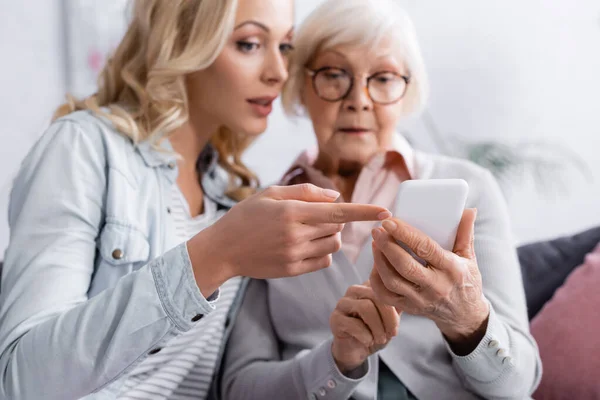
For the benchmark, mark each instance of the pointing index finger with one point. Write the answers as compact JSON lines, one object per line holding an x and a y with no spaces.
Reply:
{"x":341,"y":213}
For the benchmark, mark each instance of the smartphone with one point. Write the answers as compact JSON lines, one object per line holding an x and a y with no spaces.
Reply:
{"x":434,"y":206}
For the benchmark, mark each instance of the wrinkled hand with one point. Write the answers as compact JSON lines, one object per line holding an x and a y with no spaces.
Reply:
{"x":448,"y":290}
{"x":361,"y":325}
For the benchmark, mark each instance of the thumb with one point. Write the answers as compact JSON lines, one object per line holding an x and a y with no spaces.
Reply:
{"x":465,"y":235}
{"x":303,"y":192}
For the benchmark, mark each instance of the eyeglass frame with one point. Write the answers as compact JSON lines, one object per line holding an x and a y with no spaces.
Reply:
{"x":313,"y":73}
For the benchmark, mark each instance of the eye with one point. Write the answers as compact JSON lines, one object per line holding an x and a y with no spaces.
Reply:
{"x":286,"y":48}
{"x":385,"y":78}
{"x":247,"y":47}
{"x":333,"y":74}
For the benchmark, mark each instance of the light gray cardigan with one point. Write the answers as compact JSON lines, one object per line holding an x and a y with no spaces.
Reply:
{"x":280,"y":346}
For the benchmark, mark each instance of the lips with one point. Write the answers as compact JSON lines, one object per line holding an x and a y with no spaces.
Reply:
{"x":354,"y":130}
{"x":263,"y":101}
{"x":262,"y":106}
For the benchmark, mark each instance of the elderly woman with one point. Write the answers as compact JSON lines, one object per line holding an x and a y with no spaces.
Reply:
{"x":334,"y":334}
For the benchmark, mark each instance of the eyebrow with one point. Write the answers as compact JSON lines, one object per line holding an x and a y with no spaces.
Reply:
{"x":261,"y":26}
{"x":382,"y":55}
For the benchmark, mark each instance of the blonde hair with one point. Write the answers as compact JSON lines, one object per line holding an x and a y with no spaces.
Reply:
{"x":143,"y":82}
{"x":356,"y":22}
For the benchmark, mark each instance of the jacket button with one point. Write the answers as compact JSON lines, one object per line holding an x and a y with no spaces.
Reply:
{"x":117,"y":254}
{"x":197,"y":317}
{"x":154,"y":351}
{"x":171,"y":165}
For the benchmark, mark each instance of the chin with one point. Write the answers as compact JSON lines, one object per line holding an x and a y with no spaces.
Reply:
{"x":356,"y":154}
{"x":252,"y":128}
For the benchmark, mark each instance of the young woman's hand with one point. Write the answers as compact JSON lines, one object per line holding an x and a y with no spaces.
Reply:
{"x":280,"y":232}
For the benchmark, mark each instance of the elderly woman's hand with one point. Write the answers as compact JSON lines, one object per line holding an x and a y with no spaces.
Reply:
{"x":361,"y":325}
{"x":448,"y":290}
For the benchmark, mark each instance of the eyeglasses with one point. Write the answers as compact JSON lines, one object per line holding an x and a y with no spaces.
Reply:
{"x":334,"y":84}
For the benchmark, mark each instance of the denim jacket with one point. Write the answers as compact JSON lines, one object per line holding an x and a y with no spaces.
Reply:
{"x":93,"y":279}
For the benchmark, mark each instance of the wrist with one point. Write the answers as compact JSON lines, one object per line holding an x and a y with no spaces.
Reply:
{"x":464,"y":338}
{"x":209,"y":262}
{"x":345,"y":364}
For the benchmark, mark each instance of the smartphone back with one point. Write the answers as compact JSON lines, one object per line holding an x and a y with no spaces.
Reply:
{"x":434,"y":206}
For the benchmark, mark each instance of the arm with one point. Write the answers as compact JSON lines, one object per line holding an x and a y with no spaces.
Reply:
{"x":253,"y":368}
{"x":474,"y":294}
{"x":484,"y":371}
{"x":55,"y":343}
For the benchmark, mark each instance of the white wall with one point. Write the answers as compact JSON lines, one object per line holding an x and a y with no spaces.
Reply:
{"x":511,"y":70}
{"x":32,"y":83}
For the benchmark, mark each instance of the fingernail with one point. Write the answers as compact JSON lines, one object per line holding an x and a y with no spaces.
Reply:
{"x":384,"y":215}
{"x":376,"y":234}
{"x":332,"y":194}
{"x":389,"y":225}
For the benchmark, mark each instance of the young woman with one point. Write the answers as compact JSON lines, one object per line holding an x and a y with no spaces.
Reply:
{"x":331,"y":334}
{"x":145,"y":170}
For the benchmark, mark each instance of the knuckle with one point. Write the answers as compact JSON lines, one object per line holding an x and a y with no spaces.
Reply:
{"x":337,"y":243}
{"x":443,"y":294}
{"x":289,"y":238}
{"x":270,"y":191}
{"x":287,"y":212}
{"x":351,"y":290}
{"x":290,"y":257}
{"x":289,"y":268}
{"x":337,"y":215}
{"x":395,"y":286}
{"x":306,"y":189}
{"x":424,"y":248}
{"x":456,"y":275}
{"x":414,"y":270}
{"x":429,"y":308}
{"x":363,"y":308}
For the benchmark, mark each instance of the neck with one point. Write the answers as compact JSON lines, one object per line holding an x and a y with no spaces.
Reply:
{"x":188,"y":141}
{"x":343,"y":173}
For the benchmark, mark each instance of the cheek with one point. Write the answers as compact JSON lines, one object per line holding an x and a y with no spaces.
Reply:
{"x":323,"y":115}
{"x":388,"y":118}
{"x":225,"y":85}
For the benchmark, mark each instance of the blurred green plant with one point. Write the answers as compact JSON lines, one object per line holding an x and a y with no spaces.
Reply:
{"x":549,"y":166}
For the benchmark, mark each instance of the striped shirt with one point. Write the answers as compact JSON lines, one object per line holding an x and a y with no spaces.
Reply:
{"x":183,"y":369}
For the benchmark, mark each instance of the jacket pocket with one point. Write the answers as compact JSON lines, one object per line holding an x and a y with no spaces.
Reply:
{"x":122,"y":245}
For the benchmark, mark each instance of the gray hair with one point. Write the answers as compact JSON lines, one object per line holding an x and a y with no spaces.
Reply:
{"x":356,"y":22}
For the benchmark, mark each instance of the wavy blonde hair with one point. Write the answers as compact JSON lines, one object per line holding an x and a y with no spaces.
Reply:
{"x":143,"y":82}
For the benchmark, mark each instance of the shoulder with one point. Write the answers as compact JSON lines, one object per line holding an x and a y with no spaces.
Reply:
{"x":437,"y":166}
{"x":483,"y":186}
{"x":87,"y":137}
{"x":93,"y":129}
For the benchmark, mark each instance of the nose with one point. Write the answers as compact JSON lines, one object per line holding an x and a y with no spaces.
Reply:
{"x":358,"y":98}
{"x":276,"y":68}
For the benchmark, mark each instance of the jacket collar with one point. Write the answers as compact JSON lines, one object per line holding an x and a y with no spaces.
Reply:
{"x":215,"y":180}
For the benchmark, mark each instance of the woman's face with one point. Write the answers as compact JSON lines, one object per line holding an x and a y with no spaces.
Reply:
{"x":238,"y":89}
{"x":355,"y":128}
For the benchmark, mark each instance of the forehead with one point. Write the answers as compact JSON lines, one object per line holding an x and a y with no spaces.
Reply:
{"x":364,"y":55}
{"x":271,"y":13}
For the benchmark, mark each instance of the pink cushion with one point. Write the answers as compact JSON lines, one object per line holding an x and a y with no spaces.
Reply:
{"x":567,"y":331}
